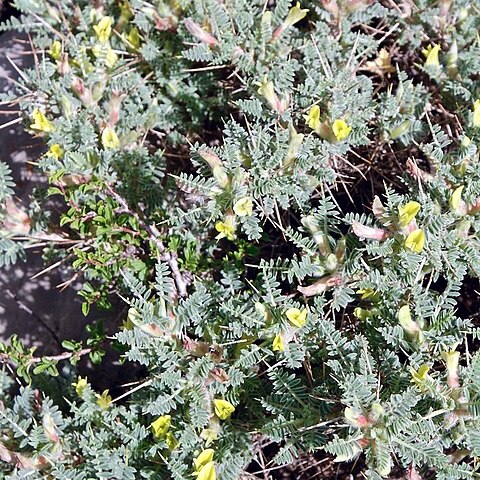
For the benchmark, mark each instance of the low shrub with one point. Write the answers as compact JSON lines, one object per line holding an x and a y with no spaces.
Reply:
{"x":286,"y":196}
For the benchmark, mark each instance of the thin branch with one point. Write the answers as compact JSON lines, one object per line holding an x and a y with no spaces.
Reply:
{"x":154,"y":235}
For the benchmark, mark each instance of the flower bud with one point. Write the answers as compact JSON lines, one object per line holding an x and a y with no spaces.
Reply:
{"x":410,"y":327}
{"x":217,"y":167}
{"x":362,"y":231}
{"x":400,"y":130}
{"x":55,"y":50}
{"x":476,"y":114}
{"x":267,"y":90}
{"x":452,"y":60}
{"x":115,"y":102}
{"x":416,"y":172}
{"x":376,"y":412}
{"x":362,"y":314}
{"x":377,"y":207}
{"x":450,"y":420}
{"x":295,"y":14}
{"x":451,"y":358}
{"x":80,"y":385}
{"x":331,"y":6}
{"x":412,"y":474}
{"x":83,"y":93}
{"x":64,"y":66}
{"x":50,"y":428}
{"x":321,"y":286}
{"x":133,"y":38}
{"x":331,"y":262}
{"x":457,"y":205}
{"x":294,"y":145}
{"x":340,"y":250}
{"x":319,"y":237}
{"x":463,"y":228}
{"x":66,"y":106}
{"x":263,"y":311}
{"x":197,"y":31}
{"x":356,"y":419}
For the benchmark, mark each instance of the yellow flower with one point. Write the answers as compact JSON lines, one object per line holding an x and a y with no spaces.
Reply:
{"x":400,"y":129}
{"x":267,"y":90}
{"x":103,"y":29}
{"x":55,"y":50}
{"x":362,"y":313}
{"x":243,"y":207}
{"x":133,"y":37}
{"x":104,"y":400}
{"x":80,"y":385}
{"x":421,"y":375}
{"x":431,"y":54}
{"x":408,"y":212}
{"x":171,"y":441}
{"x":209,"y":435}
{"x":207,"y":472}
{"x":405,"y":320}
{"x":223,"y":408}
{"x":225,"y":229}
{"x":203,"y":459}
{"x":110,"y":138}
{"x":55,"y":151}
{"x":278,"y":345}
{"x":313,"y":118}
{"x":415,"y":241}
{"x":294,"y":145}
{"x":451,"y":358}
{"x":456,"y":198}
{"x":40,"y":122}
{"x":340,"y":129}
{"x":110,"y":57}
{"x":297,"y":317}
{"x":476,"y":113}
{"x":295,"y":15}
{"x":366,"y":293}
{"x":161,"y":426}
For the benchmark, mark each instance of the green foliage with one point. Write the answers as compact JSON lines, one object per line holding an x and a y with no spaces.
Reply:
{"x":214,"y":160}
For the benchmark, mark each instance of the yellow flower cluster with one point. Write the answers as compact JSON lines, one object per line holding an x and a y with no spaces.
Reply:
{"x":341,"y":130}
{"x":204,"y":465}
{"x":161,"y":430}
